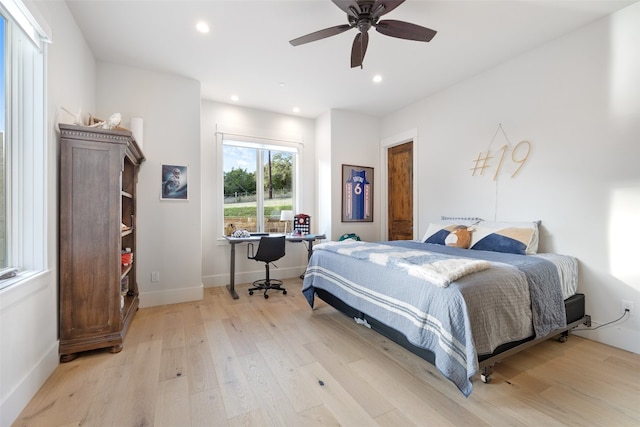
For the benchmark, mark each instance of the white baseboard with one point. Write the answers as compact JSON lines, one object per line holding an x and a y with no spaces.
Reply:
{"x":172,"y":296}
{"x":615,"y":335}
{"x":248,"y":277}
{"x":20,"y":396}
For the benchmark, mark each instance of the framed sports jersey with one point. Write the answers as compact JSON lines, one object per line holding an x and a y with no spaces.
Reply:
{"x":357,"y":193}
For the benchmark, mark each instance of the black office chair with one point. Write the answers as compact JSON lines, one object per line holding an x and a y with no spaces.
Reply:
{"x":270,"y":249}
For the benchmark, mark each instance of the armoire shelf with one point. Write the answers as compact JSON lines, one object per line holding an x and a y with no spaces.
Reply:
{"x":98,"y":294}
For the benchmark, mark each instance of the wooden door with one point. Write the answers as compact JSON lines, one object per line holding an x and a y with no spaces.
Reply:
{"x":400,"y":191}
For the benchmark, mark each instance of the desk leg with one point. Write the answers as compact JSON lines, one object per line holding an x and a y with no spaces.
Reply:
{"x":232,"y":272}
{"x":310,"y":250}
{"x":309,"y":253}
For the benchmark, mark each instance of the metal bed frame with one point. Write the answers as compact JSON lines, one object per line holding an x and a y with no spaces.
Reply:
{"x":575,"y":310}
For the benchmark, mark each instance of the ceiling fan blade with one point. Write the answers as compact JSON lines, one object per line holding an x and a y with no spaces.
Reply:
{"x":359,"y":49}
{"x":405,"y":30}
{"x":387,"y":6}
{"x":318,"y":35}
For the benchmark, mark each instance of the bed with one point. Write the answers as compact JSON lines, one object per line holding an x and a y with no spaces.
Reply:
{"x":459,"y":309}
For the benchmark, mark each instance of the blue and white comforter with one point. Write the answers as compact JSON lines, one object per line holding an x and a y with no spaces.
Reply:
{"x":515,"y":297}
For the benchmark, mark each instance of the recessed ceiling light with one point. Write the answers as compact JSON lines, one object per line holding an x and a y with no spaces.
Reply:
{"x":282,"y":84}
{"x":202,"y":27}
{"x":296,"y":110}
{"x":234,"y":98}
{"x":377,"y":78}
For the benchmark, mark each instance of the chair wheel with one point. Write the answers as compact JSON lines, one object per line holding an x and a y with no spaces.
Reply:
{"x":250,"y":292}
{"x":266,"y":296}
{"x":284,"y":292}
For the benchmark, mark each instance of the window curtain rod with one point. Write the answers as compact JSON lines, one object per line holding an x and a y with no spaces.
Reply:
{"x":253,"y":138}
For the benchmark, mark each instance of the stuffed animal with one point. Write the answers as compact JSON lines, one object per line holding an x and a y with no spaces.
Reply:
{"x":460,"y":237}
{"x":241,"y":233}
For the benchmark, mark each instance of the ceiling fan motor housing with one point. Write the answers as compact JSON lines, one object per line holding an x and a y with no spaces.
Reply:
{"x":365,"y":18}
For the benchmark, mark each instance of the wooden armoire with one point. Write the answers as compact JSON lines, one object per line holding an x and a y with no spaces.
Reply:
{"x":98,"y":289}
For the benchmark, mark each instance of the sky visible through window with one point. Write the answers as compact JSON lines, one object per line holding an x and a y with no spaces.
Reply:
{"x":239,"y":158}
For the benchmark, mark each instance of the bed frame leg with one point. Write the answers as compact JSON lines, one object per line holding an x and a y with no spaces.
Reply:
{"x":564,"y":336}
{"x":485,"y":376}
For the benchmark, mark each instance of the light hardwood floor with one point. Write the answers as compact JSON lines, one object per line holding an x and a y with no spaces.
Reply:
{"x":275,"y":362}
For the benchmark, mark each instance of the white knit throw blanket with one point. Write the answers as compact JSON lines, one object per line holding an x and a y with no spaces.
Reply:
{"x":435,"y":268}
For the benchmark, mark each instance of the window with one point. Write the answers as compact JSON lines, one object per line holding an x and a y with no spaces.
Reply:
{"x":22,"y":159}
{"x":3,"y":167}
{"x":259,"y":181}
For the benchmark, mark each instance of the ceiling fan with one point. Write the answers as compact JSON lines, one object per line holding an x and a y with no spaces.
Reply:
{"x":362,"y":15}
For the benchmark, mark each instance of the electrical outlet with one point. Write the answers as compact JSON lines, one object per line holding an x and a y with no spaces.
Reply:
{"x":155,"y":276}
{"x":627,"y":305}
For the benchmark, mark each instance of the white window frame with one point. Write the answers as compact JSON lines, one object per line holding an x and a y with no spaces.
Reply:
{"x":25,"y":141}
{"x":274,"y":143}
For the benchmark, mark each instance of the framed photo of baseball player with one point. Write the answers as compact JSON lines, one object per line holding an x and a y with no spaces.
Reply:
{"x":357,"y":193}
{"x":175,"y":180}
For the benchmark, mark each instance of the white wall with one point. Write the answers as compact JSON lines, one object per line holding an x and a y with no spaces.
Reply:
{"x":169,"y":232}
{"x":326,"y":203}
{"x":577,"y":100}
{"x":250,"y":122}
{"x":29,"y":310}
{"x":353,"y":142}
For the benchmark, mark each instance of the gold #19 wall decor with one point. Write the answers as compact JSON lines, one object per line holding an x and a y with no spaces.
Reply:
{"x":498,"y":160}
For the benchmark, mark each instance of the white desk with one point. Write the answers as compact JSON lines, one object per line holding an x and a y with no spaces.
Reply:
{"x":233,"y":241}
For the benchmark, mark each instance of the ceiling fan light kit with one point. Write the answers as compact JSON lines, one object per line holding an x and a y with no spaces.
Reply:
{"x":362,"y":15}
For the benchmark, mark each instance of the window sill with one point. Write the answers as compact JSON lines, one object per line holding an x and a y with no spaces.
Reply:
{"x":22,"y":276}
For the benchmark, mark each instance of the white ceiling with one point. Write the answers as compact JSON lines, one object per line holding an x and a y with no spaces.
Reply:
{"x":247,"y":52}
